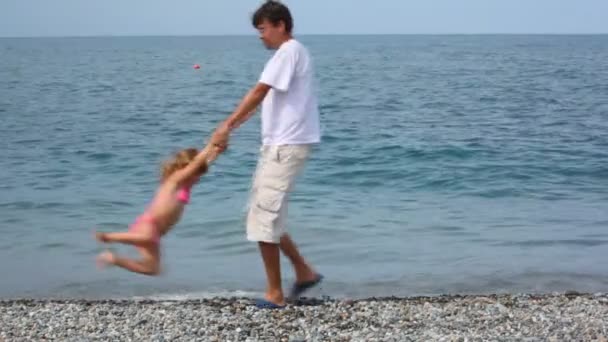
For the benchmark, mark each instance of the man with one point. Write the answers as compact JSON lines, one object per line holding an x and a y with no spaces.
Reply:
{"x":290,"y":126}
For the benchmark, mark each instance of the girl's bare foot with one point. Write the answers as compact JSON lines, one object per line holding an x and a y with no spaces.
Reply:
{"x":105,"y":259}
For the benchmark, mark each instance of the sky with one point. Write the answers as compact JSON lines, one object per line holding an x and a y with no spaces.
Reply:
{"x":26,"y":18}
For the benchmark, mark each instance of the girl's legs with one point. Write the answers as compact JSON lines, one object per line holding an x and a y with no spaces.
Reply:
{"x":143,"y":236}
{"x":148,"y":264}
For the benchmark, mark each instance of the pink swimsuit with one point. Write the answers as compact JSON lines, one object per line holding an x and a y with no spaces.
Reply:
{"x":183,"y":195}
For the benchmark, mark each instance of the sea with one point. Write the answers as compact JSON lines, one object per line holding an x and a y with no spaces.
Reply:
{"x":449,"y":164}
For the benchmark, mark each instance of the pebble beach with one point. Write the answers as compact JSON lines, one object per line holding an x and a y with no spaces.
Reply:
{"x":566,"y":316}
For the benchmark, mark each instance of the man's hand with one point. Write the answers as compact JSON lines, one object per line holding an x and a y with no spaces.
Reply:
{"x":220,"y":137}
{"x":214,"y":152}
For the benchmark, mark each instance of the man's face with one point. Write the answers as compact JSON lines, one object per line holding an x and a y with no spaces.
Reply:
{"x":270,"y":34}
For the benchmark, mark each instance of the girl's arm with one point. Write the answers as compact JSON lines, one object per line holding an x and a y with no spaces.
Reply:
{"x":202,"y":159}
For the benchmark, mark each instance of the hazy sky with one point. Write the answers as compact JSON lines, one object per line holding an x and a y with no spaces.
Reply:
{"x":195,"y":17}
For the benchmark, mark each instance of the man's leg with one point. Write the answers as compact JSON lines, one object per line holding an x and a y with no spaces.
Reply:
{"x":264,"y":204}
{"x":306,"y":277}
{"x":272,"y":263}
{"x":302,"y":269}
{"x":275,"y":177}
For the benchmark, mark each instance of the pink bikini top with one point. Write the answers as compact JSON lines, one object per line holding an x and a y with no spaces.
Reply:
{"x":183,"y":195}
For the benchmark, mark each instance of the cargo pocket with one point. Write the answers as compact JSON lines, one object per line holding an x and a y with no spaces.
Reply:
{"x":269,"y":199}
{"x":293,"y":154}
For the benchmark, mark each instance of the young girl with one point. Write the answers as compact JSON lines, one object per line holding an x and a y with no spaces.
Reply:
{"x":165,"y":210}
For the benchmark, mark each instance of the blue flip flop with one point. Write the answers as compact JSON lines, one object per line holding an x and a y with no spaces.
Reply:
{"x":261,"y":303}
{"x":299,"y":288}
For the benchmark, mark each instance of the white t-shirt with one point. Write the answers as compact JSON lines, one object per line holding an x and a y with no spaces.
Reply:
{"x":290,"y":113}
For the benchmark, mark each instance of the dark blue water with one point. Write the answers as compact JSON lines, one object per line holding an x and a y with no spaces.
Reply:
{"x":458,"y":164}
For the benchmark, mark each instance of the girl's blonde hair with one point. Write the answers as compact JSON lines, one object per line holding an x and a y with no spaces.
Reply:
{"x":180,"y":160}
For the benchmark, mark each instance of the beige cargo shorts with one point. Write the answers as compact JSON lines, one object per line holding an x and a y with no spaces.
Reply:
{"x":274,"y":178}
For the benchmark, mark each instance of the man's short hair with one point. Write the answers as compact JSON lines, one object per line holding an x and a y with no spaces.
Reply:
{"x":275,"y":12}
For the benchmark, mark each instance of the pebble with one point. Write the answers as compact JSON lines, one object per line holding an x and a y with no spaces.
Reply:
{"x":550,"y":317}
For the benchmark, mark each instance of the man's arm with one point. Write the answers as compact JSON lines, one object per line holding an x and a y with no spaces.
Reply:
{"x":245,"y":118}
{"x":242,"y":113}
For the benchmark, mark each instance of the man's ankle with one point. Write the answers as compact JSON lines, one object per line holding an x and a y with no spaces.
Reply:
{"x":305,"y":273}
{"x":275,"y":295}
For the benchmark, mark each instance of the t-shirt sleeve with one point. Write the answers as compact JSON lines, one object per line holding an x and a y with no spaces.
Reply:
{"x":279,"y":70}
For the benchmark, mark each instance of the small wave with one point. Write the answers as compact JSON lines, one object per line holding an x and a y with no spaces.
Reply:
{"x":595,"y":236}
{"x":101,"y":88}
{"x":552,"y":243}
{"x":235,"y":247}
{"x":199,"y":295}
{"x":215,"y":229}
{"x":28,"y":141}
{"x":54,"y":245}
{"x":12,"y":220}
{"x":107,"y":204}
{"x":26,"y":205}
{"x":100,"y":156}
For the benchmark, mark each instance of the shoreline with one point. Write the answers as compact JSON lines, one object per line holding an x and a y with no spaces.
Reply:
{"x":526,"y":317}
{"x":433,"y":298}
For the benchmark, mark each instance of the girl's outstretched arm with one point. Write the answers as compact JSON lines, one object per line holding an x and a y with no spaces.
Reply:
{"x":200,"y":161}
